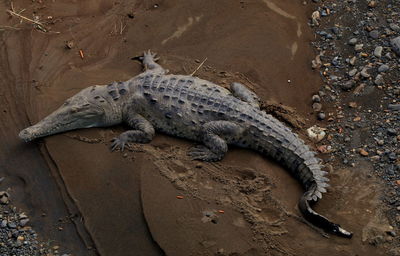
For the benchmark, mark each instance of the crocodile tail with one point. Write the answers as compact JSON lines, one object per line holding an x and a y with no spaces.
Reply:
{"x":319,"y":220}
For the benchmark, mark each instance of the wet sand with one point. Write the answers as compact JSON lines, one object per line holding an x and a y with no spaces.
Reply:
{"x":125,"y":203}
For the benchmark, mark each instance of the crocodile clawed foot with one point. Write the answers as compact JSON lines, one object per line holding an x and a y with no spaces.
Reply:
{"x":150,"y":55}
{"x":118,"y":143}
{"x":203,"y":153}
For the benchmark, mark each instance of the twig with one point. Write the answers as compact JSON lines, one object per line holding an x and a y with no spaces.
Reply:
{"x":201,"y":64}
{"x":40,"y":25}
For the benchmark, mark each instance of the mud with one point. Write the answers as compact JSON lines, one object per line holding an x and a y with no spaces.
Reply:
{"x":125,"y":203}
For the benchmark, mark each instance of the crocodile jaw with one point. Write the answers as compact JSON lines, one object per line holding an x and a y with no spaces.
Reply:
{"x":65,"y":118}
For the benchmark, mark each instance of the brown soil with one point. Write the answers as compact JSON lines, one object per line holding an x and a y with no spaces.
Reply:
{"x":125,"y":203}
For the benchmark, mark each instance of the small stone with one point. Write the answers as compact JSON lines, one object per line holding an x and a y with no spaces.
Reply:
{"x":395,"y":43}
{"x":353,"y":72}
{"x":69,"y":44}
{"x":316,"y":98}
{"x":391,"y":233}
{"x":321,"y":116}
{"x":11,"y":225}
{"x":383,"y":68}
{"x":391,"y":131}
{"x":392,"y":156}
{"x":317,"y":106}
{"x":394,"y":27}
{"x":372,"y":4}
{"x":3,"y":223}
{"x":363,"y":152}
{"x":374,"y":34}
{"x":353,"y":41}
{"x":352,"y":104}
{"x":394,"y":107}
{"x":364,"y":72}
{"x":378,"y":51}
{"x":358,"y":47}
{"x":352,"y":61}
{"x":348,"y":85}
{"x":379,"y":80}
{"x":315,"y":17}
{"x":4,"y":197}
{"x":23,"y":222}
{"x":316,"y":133}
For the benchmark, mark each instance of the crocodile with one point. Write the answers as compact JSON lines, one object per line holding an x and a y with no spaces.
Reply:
{"x":189,"y":107}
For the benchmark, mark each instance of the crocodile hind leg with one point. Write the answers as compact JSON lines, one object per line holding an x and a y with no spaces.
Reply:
{"x":143,"y":132}
{"x":213,"y":136}
{"x":243,"y":93}
{"x":149,"y":62}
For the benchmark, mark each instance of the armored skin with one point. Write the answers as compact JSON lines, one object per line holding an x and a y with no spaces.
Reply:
{"x":195,"y":109}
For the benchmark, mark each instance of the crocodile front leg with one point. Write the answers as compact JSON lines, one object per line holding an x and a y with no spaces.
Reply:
{"x":243,"y":93}
{"x":213,"y":137}
{"x":149,"y":62}
{"x":143,"y":132}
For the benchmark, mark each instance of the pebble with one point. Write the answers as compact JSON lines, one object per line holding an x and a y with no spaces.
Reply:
{"x":379,"y":80}
{"x":23,"y":222}
{"x":391,"y":132}
{"x":383,"y":68}
{"x":358,"y":47}
{"x":363,"y":152}
{"x":316,"y":98}
{"x":395,"y":43}
{"x":321,"y":116}
{"x":352,"y":61}
{"x":353,"y":72}
{"x":374,"y":34}
{"x":317,"y":106}
{"x":316,"y":133}
{"x":378,"y":51}
{"x":348,"y":85}
{"x":364,"y":72}
{"x":394,"y":106}
{"x":394,"y":27}
{"x":353,"y":41}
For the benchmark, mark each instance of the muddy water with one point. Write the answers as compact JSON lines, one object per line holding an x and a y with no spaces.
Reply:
{"x":126,"y":204}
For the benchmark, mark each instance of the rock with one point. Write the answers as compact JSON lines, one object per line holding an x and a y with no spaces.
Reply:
{"x":12,"y":225}
{"x":353,"y":72}
{"x":348,"y":85}
{"x":3,"y":223}
{"x":317,"y":106}
{"x":358,"y":47}
{"x":321,"y":116}
{"x":352,"y":61}
{"x":379,"y":80}
{"x":364,"y":72}
{"x":316,"y":133}
{"x":353,"y":41}
{"x":69,"y":44}
{"x":23,"y":222}
{"x":316,"y":98}
{"x":378,"y":51}
{"x":352,"y":104}
{"x":315,"y":17}
{"x":4,"y":197}
{"x":391,"y":131}
{"x":372,"y":4}
{"x":374,"y":34}
{"x":395,"y":43}
{"x":363,"y":152}
{"x":394,"y":27}
{"x":394,"y":107}
{"x":383,"y":68}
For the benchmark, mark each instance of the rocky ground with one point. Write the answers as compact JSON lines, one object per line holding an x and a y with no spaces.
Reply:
{"x":17,"y":238}
{"x":358,"y":45}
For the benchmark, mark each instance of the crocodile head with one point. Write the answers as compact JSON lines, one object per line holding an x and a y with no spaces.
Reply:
{"x":83,"y":110}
